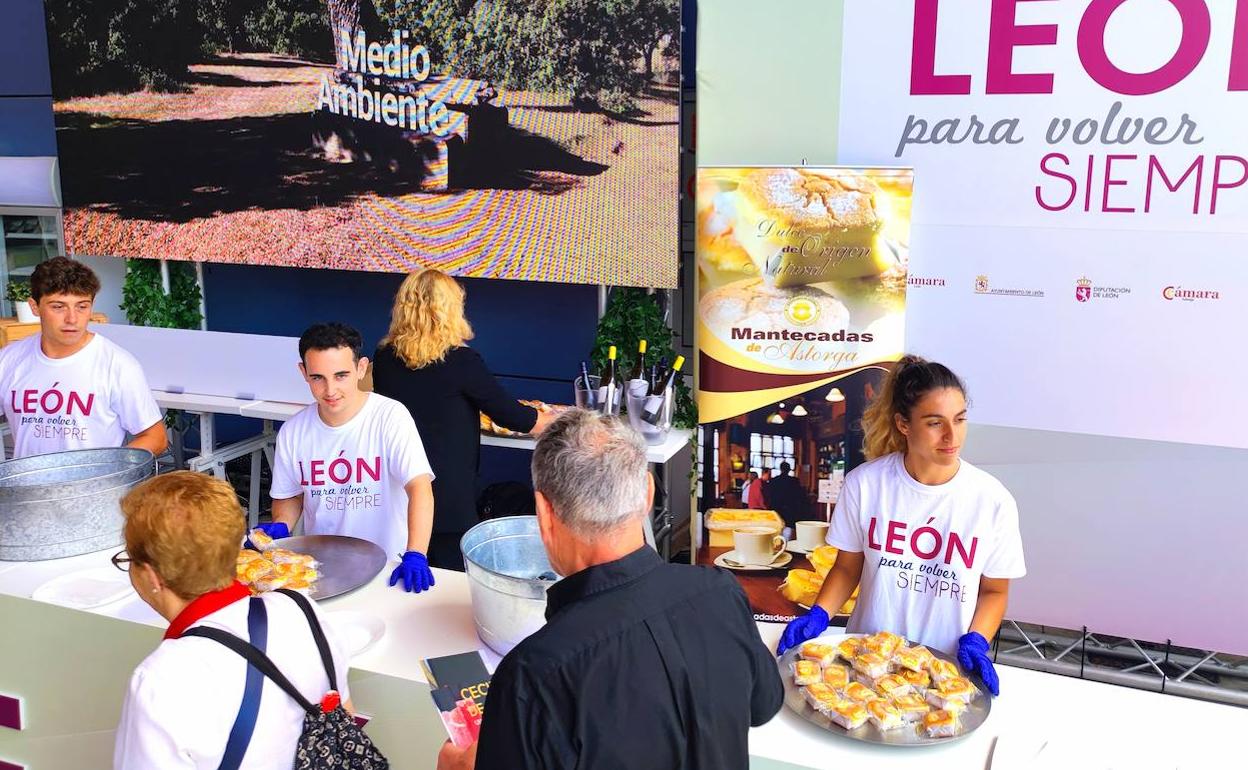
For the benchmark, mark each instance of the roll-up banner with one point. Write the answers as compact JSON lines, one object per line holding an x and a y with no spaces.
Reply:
{"x":801,"y":306}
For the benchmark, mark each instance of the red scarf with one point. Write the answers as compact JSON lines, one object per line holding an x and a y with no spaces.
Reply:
{"x":205,"y":605}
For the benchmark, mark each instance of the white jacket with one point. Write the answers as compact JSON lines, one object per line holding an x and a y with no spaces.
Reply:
{"x":184,"y":697}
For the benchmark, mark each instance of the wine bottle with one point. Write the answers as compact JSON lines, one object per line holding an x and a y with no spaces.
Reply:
{"x":654,"y":402}
{"x":639,"y":369}
{"x":608,"y":384}
{"x":656,"y":378}
{"x":590,"y":392}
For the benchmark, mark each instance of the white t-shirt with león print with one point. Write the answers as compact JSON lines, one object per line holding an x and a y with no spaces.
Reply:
{"x":352,"y":476}
{"x":89,"y":400}
{"x":925,"y":547}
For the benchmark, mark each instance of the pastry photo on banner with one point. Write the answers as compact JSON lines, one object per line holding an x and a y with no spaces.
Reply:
{"x":801,"y":310}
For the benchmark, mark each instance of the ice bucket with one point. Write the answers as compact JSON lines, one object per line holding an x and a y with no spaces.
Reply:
{"x":508,"y":575}
{"x":66,"y":503}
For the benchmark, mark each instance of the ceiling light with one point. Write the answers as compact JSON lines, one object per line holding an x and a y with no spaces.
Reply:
{"x":799,"y":411}
{"x":835,"y":395}
{"x":775,"y":419}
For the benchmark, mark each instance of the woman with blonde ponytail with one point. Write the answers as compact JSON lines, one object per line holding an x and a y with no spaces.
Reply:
{"x":930,"y":540}
{"x":425,"y":362}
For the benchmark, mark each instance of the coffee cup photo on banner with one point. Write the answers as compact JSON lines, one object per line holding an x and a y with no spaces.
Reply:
{"x":760,"y":475}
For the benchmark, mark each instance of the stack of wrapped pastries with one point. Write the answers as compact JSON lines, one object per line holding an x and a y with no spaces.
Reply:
{"x":885,"y":681}
{"x":272,"y":567}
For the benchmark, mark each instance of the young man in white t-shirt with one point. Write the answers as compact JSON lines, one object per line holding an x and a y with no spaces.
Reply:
{"x":353,"y":462}
{"x":67,"y":387}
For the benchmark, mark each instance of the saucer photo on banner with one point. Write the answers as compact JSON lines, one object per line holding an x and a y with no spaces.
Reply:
{"x":729,"y":560}
{"x":801,"y":287}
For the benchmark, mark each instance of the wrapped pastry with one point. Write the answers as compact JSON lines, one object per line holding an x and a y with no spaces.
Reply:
{"x":806,"y":672}
{"x":940,"y":724}
{"x":942,"y":670}
{"x":884,"y":715}
{"x":890,"y":685}
{"x":927,"y":655}
{"x":848,"y":714}
{"x":823,"y":654}
{"x":952,"y":694}
{"x":254,"y":571}
{"x":283,"y":556}
{"x":836,"y":676}
{"x":247,"y":556}
{"x":857,"y":691}
{"x":820,"y":696}
{"x":884,"y":643}
{"x":919,"y":680}
{"x":260,"y":539}
{"x":871,"y":664}
{"x":911,"y":706}
{"x":270,"y":583}
{"x":912,"y":658}
{"x":848,"y":649}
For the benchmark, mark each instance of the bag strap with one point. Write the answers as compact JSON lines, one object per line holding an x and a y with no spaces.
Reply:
{"x":245,"y":722}
{"x":257,"y":659}
{"x":318,"y":634}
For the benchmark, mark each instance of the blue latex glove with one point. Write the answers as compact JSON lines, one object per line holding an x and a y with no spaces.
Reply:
{"x":275,"y":530}
{"x":973,"y":657}
{"x":414,"y":572}
{"x":806,"y":627}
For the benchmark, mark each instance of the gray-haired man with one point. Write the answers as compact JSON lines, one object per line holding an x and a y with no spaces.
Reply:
{"x":641,"y":664}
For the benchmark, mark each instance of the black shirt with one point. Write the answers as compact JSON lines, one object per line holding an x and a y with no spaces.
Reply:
{"x":785,"y":496}
{"x":444,"y":398}
{"x":641,"y":665}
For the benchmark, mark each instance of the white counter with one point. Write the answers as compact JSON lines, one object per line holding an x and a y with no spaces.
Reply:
{"x":1086,"y":724}
{"x":430,"y":624}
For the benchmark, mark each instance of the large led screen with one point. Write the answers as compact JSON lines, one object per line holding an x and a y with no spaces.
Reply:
{"x":495,"y":138}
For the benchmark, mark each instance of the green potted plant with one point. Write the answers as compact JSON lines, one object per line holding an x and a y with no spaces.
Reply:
{"x":146,"y":303}
{"x":18,"y":292}
{"x":634,"y":314}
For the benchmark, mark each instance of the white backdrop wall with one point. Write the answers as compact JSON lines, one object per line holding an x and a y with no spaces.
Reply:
{"x":1065,"y":322}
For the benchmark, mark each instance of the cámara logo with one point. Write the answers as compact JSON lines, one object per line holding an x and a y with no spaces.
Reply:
{"x":1171,"y":293}
{"x":1083,"y":289}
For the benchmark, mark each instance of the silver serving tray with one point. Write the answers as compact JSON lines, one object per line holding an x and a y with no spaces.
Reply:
{"x":346,"y":562}
{"x":909,"y":735}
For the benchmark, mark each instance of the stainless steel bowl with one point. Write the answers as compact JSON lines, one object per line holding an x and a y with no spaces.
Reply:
{"x":66,"y":503}
{"x":508,"y":574}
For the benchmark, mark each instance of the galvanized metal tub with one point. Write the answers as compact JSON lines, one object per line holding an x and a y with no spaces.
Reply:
{"x":508,"y":574}
{"x":66,"y":503}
